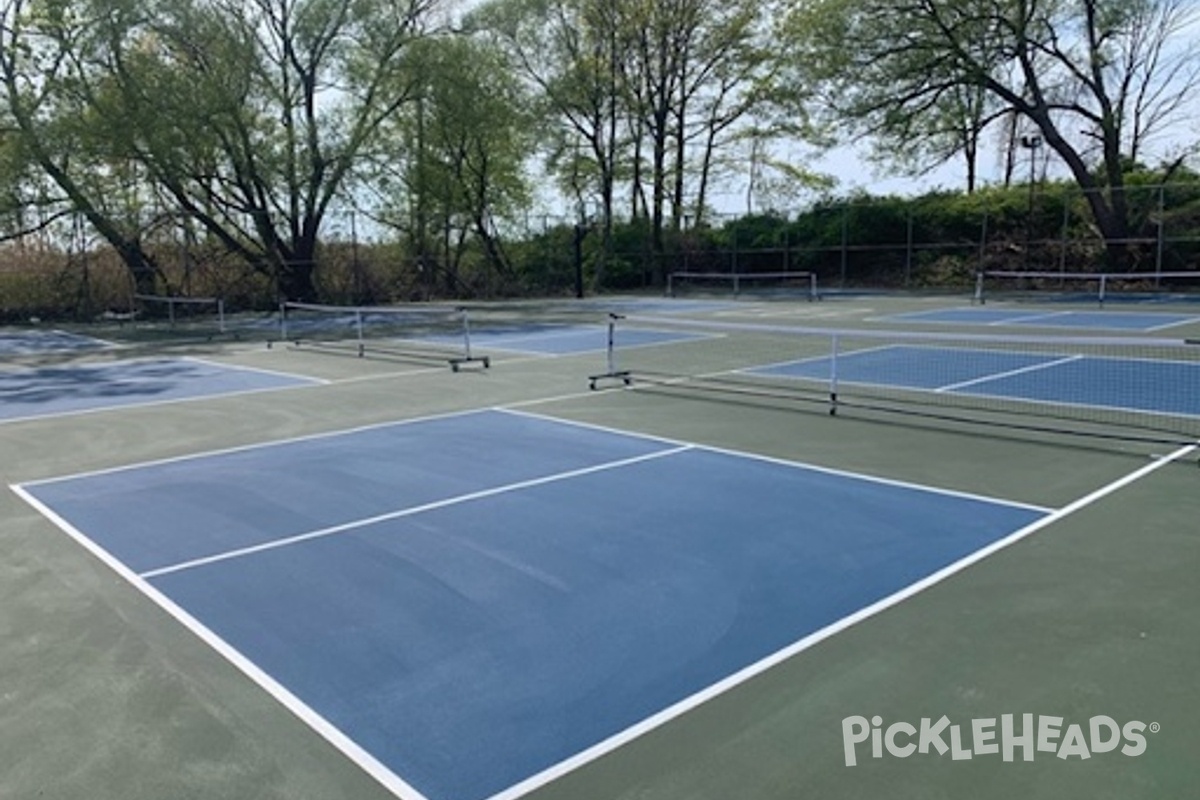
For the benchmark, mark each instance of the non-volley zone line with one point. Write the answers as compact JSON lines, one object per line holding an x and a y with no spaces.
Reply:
{"x":359,"y":524}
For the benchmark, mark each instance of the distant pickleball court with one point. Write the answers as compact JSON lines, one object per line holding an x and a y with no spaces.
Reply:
{"x":74,"y":388}
{"x":1123,"y":384}
{"x":43,"y":342}
{"x":1025,"y":317}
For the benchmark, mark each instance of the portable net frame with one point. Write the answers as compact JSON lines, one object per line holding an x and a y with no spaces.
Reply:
{"x":1126,"y":388}
{"x":426,"y":333}
{"x":202,"y":315}
{"x":1093,"y":287}
{"x":736,"y":283}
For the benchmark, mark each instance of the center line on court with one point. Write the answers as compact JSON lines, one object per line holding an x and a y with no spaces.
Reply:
{"x":407,"y":512}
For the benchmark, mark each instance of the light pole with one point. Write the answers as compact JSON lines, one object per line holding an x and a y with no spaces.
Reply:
{"x":1031,"y":143}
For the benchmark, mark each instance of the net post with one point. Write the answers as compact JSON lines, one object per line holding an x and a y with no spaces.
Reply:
{"x":978,"y":297}
{"x":833,"y":374}
{"x":221,"y":314}
{"x":467,"y":356}
{"x":283,"y":326}
{"x":670,"y":284}
{"x":610,"y":349}
{"x":171,"y":312}
{"x":466,"y":328}
{"x":610,"y":356}
{"x":1103,"y":287}
{"x":362,"y":343}
{"x":813,"y":295}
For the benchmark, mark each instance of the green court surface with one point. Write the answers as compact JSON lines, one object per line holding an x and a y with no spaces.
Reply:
{"x":105,"y":695}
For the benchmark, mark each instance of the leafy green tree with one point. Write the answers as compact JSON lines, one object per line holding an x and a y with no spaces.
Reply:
{"x":1092,"y":80}
{"x":649,"y":94}
{"x":569,"y":54}
{"x":272,"y":104}
{"x":455,"y":159}
{"x":247,"y":117}
{"x":52,"y":57}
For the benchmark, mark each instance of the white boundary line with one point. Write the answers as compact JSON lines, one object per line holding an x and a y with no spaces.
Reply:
{"x":742,"y":676}
{"x":782,"y":462}
{"x":368,"y":763}
{"x":773,"y":369}
{"x":951,"y":387}
{"x":1182,"y":321}
{"x":345,"y":527}
{"x":254,"y":446}
{"x":1029,"y":319}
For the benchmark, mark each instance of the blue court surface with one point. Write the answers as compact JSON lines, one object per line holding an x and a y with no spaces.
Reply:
{"x":47,"y":391}
{"x":40,"y":342}
{"x":476,"y":598}
{"x":1110,"y":320}
{"x":1130,"y":384}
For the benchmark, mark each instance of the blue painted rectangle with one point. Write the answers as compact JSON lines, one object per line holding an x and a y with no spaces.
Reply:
{"x":1141,"y":385}
{"x":910,"y":367}
{"x":216,"y":503}
{"x":473,"y":643}
{"x":1170,"y":387}
{"x":47,"y":391}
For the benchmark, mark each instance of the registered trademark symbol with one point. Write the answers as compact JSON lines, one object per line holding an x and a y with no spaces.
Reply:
{"x":1155,"y":727}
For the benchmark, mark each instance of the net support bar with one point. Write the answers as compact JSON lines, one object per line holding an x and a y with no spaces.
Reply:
{"x":1112,"y":387}
{"x":173,"y":300}
{"x":1105,"y":282}
{"x":735,"y":280}
{"x":361,"y":319}
{"x":610,"y":355}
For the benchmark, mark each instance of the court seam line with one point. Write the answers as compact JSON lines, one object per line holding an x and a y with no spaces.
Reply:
{"x":345,"y":527}
{"x":783,"y":462}
{"x":359,"y":756}
{"x":759,"y":667}
{"x":952,"y":387}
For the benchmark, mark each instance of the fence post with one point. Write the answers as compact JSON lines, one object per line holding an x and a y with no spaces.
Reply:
{"x":908,"y":249}
{"x":845,"y":242}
